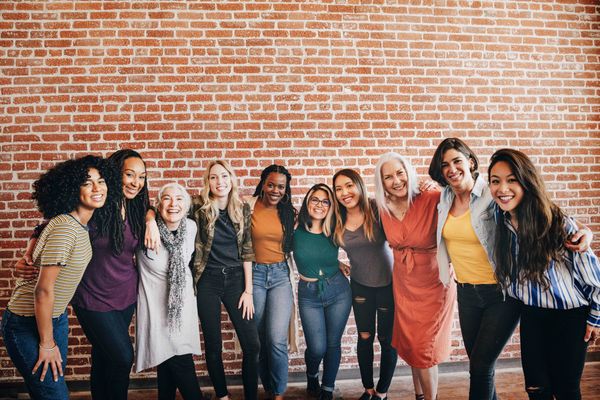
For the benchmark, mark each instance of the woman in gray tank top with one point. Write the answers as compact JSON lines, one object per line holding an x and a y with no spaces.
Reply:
{"x":358,"y":231}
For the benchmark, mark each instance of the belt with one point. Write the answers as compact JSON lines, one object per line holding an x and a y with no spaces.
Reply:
{"x":224,"y":271}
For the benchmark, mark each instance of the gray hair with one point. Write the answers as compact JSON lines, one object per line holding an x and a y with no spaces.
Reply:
{"x":411,"y":174}
{"x":187,"y":200}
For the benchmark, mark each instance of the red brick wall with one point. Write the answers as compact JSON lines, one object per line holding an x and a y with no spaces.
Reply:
{"x":317,"y":86}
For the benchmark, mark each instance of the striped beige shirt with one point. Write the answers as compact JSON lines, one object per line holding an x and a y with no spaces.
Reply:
{"x":64,"y":243}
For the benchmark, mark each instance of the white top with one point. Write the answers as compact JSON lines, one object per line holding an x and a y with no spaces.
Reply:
{"x":153,"y":341}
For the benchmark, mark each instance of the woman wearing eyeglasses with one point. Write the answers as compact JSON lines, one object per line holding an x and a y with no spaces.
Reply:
{"x":324,"y":295}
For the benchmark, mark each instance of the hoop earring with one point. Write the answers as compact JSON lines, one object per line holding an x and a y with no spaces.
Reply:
{"x":286,"y":197}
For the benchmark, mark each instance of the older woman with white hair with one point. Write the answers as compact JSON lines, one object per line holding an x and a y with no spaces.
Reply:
{"x":167,"y":332}
{"x":423,"y":305}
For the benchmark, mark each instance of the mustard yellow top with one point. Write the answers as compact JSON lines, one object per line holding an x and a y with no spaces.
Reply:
{"x":267,"y":234}
{"x":467,"y":255}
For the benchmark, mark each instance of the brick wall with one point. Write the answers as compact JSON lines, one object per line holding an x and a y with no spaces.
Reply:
{"x":315,"y":85}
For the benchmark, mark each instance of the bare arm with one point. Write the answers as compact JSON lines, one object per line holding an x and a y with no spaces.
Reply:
{"x":24,"y":267}
{"x":246,"y":300}
{"x":152,"y":236}
{"x":49,"y":353}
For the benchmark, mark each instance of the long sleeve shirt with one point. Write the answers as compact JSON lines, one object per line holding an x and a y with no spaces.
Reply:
{"x":574,"y":281}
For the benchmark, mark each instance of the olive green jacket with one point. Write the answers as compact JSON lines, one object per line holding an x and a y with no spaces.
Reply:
{"x":204,"y":238}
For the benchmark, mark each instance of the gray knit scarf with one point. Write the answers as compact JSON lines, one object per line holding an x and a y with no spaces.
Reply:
{"x":175,"y":272}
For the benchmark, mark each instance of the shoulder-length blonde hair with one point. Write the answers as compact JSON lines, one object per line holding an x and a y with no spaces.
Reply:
{"x":235,"y":205}
{"x":304,"y":218}
{"x":411,"y":175}
{"x":363,"y":203}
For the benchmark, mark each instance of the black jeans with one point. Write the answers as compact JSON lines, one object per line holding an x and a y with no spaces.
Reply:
{"x":214,"y":287}
{"x":553,"y":351}
{"x":112,"y":352}
{"x":178,"y":372}
{"x":487,"y":321}
{"x":369,"y":303}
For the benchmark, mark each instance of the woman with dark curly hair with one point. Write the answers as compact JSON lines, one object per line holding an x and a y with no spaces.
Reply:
{"x":106,"y":297}
{"x":35,"y":323}
{"x":273,"y":218}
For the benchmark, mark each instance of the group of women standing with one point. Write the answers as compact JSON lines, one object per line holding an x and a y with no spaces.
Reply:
{"x":411,"y":253}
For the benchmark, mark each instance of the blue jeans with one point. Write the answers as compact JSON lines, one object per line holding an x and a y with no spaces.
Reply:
{"x":22,"y":340}
{"x":487,"y":321}
{"x":273,"y":301}
{"x":112,"y":352}
{"x":324,"y":316}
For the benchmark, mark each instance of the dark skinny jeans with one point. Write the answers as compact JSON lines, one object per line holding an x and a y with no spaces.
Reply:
{"x":226,"y":286}
{"x":369,"y":304}
{"x":112,"y":351}
{"x":487,"y":321}
{"x":553,"y":351}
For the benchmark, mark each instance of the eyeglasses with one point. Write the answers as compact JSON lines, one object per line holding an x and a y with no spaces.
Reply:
{"x":315,"y":201}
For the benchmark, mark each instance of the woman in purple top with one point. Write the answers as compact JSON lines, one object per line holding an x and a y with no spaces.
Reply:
{"x":105,"y":299}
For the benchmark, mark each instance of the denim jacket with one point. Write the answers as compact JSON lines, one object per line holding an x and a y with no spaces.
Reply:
{"x":482,"y":220}
{"x":204,"y":238}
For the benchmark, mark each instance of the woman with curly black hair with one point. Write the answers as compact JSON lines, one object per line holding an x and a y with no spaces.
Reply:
{"x":35,"y":323}
{"x":106,"y":297}
{"x":273,"y":218}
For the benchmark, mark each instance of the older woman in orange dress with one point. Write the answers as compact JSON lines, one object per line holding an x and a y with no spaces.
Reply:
{"x":424,"y":307}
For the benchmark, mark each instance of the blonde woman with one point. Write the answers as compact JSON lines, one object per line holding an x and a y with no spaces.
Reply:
{"x":223,"y":274}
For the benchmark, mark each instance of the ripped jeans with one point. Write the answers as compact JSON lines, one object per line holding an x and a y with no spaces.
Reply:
{"x":553,"y":351}
{"x":369,"y":303}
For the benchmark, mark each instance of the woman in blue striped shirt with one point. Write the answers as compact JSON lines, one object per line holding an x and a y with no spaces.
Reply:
{"x":559,"y":289}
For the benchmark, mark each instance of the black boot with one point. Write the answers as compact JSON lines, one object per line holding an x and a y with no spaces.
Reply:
{"x":312,"y":386}
{"x":325,"y":395}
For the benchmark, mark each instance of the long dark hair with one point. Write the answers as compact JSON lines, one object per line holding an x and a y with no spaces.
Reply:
{"x":113,"y":225}
{"x":541,"y":233}
{"x":363,"y":203}
{"x":285,"y":210}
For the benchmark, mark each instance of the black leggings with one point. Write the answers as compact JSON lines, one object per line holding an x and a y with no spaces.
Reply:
{"x":178,"y":372}
{"x":553,"y":351}
{"x":369,"y":303}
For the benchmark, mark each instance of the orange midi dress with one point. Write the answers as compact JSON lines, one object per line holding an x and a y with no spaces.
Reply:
{"x":424,"y":307}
